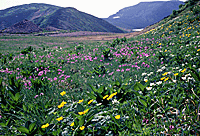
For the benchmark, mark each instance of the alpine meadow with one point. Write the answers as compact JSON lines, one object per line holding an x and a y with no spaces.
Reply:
{"x":148,"y":84}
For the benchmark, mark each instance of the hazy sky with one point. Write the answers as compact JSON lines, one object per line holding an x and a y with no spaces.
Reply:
{"x":100,"y":8}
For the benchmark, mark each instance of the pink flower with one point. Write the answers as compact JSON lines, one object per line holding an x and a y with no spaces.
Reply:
{"x":171,"y":127}
{"x":55,"y":78}
{"x":40,"y":73}
{"x":118,"y":70}
{"x":110,"y":73}
{"x":41,"y":94}
{"x":36,"y":96}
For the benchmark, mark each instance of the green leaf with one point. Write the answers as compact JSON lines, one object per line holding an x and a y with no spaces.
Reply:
{"x":81,"y":121}
{"x":23,"y":129}
{"x":91,"y":96}
{"x":100,"y":90}
{"x":24,"y":107}
{"x":7,"y":121}
{"x":136,"y":87}
{"x":3,"y":124}
{"x":140,"y":86}
{"x":17,"y":96}
{"x":92,"y":87}
{"x":80,"y":108}
{"x":143,"y":102}
{"x":31,"y":126}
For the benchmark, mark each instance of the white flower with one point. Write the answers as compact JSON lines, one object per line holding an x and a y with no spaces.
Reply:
{"x":152,"y":84}
{"x":194,"y":66}
{"x":159,"y":70}
{"x":174,"y":81}
{"x":148,"y":88}
{"x":115,"y":101}
{"x":151,"y":73}
{"x":143,"y":74}
{"x":184,"y":78}
{"x":159,"y":82}
{"x":163,"y":67}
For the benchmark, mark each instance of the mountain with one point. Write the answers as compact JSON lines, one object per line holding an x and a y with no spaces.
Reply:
{"x":54,"y":17}
{"x":24,"y":26}
{"x":143,"y":14}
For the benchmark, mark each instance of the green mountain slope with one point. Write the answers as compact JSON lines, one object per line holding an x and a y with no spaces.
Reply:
{"x":72,"y":19}
{"x":58,"y":17}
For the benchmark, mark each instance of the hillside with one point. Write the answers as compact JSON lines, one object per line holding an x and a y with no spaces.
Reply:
{"x":46,"y":16}
{"x":24,"y":26}
{"x":143,"y":14}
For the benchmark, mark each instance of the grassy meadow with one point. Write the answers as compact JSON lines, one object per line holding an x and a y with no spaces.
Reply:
{"x":144,"y":85}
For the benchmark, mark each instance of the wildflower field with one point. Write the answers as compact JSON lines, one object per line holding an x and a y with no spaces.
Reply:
{"x":145,"y":85}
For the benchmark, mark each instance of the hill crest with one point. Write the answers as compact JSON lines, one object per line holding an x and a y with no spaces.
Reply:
{"x":45,"y":15}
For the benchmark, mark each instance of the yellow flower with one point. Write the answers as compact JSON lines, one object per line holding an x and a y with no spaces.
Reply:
{"x":72,"y":124}
{"x":45,"y":126}
{"x":90,"y":101}
{"x":105,"y":96}
{"x":166,"y":79}
{"x":83,"y":127}
{"x":62,"y":104}
{"x":63,"y":93}
{"x":80,"y":113}
{"x":85,"y":111}
{"x":183,"y":70}
{"x":165,"y":50}
{"x":198,"y":50}
{"x":80,"y":101}
{"x":117,"y":117}
{"x":165,"y":74}
{"x":146,"y":80}
{"x":59,"y":119}
{"x":162,"y":78}
{"x":176,"y":74}
{"x":113,"y":94}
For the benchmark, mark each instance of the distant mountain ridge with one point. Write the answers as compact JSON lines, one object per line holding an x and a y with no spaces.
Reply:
{"x":143,"y":14}
{"x":54,"y":17}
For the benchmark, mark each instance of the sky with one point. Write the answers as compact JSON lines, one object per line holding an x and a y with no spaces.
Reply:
{"x":100,"y":8}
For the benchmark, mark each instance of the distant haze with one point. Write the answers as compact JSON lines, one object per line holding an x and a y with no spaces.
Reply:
{"x":101,"y":8}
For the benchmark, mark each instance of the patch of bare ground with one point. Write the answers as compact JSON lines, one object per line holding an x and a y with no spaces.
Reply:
{"x":99,"y":36}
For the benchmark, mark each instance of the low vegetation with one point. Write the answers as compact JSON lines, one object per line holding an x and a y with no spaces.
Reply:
{"x":145,"y":85}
